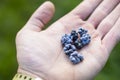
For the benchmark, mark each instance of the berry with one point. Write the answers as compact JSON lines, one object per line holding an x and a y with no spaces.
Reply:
{"x":69,"y":48}
{"x":66,"y":39}
{"x":80,"y":57}
{"x":77,"y":59}
{"x":69,"y":52}
{"x":73,"y":47}
{"x":74,"y":60}
{"x":78,"y":44}
{"x":74,"y":35}
{"x":85,"y":39}
{"x":65,"y":49}
{"x":82,"y":31}
{"x":73,"y":32}
{"x":69,"y":41}
{"x":74,"y":53}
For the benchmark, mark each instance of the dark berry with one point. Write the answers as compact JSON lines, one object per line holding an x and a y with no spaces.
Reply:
{"x":77,"y":59}
{"x":70,"y":51}
{"x":73,"y":60}
{"x":67,"y":52}
{"x":74,"y":35}
{"x":69,"y":41}
{"x":73,"y":47}
{"x":65,"y":49}
{"x":78,"y":44}
{"x":74,"y":53}
{"x":85,"y":39}
{"x":73,"y":32}
{"x":82,"y":31}
{"x":66,"y":39}
{"x":67,"y":46}
{"x":80,"y":57}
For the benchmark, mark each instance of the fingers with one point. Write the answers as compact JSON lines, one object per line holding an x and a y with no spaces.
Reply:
{"x":102,"y":11}
{"x":41,"y":16}
{"x":109,"y":21}
{"x":112,"y":37}
{"x":84,"y":9}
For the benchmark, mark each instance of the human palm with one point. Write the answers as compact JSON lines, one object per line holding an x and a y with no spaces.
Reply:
{"x":41,"y":53}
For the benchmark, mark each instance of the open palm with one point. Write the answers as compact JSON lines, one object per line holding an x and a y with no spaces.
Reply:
{"x":41,"y":53}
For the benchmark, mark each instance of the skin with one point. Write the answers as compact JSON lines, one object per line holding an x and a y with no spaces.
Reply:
{"x":40,"y":53}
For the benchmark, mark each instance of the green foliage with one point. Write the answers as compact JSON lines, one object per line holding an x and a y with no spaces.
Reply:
{"x":15,"y":13}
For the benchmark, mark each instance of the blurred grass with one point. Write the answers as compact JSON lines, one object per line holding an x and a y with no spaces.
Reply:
{"x":15,"y":13}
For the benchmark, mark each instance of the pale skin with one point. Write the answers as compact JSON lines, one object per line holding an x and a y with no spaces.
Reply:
{"x":40,"y":53}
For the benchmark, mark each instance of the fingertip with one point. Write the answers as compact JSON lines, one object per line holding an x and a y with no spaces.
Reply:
{"x":49,"y":5}
{"x":41,"y":16}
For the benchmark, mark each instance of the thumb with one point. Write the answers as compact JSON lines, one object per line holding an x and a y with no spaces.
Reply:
{"x":41,"y":17}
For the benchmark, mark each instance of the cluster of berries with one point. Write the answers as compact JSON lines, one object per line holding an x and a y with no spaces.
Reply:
{"x":73,"y":42}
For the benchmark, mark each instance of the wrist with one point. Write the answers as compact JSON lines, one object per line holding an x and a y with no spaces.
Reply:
{"x":24,"y":75}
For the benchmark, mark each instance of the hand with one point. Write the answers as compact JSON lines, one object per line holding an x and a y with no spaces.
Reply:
{"x":40,"y":53}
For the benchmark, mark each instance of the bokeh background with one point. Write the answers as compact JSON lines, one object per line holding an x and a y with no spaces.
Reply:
{"x":15,"y":13}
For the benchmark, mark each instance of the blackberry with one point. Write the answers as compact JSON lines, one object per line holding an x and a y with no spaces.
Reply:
{"x":74,"y":53}
{"x":77,"y":60}
{"x":73,"y":47}
{"x":69,"y":52}
{"x":74,"y":60}
{"x":69,"y":48}
{"x":85,"y":39}
{"x":82,"y":31}
{"x":65,"y":49}
{"x":78,"y":44}
{"x":80,"y":57}
{"x":73,"y":32}
{"x":74,"y":35}
{"x":66,"y":39}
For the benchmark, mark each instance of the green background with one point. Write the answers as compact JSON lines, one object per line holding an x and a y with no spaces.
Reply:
{"x":15,"y":13}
